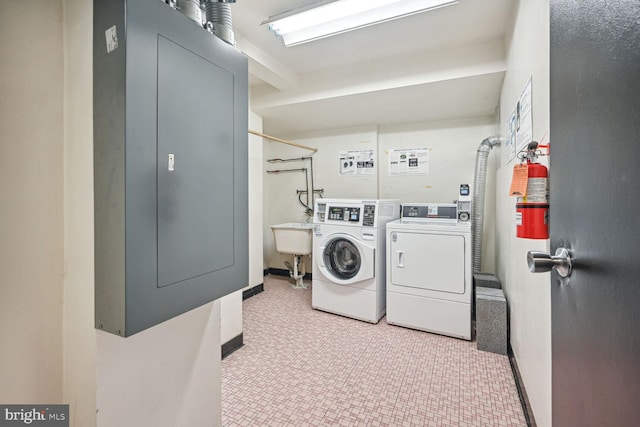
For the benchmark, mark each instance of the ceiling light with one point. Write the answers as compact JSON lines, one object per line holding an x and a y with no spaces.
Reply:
{"x":330,"y":17}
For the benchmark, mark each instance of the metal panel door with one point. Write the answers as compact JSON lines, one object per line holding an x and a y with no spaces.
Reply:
{"x":170,"y":165}
{"x":594,"y":199}
{"x":195,"y":190}
{"x":428,"y":261}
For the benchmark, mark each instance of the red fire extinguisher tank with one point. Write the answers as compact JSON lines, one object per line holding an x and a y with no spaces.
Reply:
{"x":532,"y":211}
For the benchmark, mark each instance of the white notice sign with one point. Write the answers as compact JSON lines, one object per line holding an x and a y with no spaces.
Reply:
{"x":524,"y":119}
{"x":510,"y":141}
{"x":357,"y":162}
{"x":409,"y":161}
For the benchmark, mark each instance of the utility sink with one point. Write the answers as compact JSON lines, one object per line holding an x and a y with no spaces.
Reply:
{"x":293,"y":237}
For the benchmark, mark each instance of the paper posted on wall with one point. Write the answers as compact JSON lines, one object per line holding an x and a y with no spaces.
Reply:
{"x":357,"y":162}
{"x":409,"y":161}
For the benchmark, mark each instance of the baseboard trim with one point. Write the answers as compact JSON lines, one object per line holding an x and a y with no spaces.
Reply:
{"x":232,"y":345}
{"x":253,"y":291}
{"x":522,"y":393}
{"x":285,"y":273}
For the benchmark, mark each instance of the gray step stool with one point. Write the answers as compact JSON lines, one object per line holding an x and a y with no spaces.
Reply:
{"x":486,"y":280}
{"x":491,"y":320}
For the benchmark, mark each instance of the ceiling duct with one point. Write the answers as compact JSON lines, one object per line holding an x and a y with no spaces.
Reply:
{"x":218,"y":19}
{"x":214,"y":15}
{"x":190,"y":8}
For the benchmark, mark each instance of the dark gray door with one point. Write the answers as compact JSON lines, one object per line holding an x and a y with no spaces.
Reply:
{"x":595,"y":204}
{"x":196,"y":195}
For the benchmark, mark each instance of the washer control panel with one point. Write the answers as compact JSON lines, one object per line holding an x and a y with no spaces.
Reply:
{"x":339,"y":213}
{"x":369,"y":216}
{"x":362,"y":213}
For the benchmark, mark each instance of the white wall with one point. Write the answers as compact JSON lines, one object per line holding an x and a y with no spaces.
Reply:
{"x":32,"y":189}
{"x":528,"y":294}
{"x":79,"y":334}
{"x":231,"y":305}
{"x":453,"y":144}
{"x":165,"y":376}
{"x":256,"y":201}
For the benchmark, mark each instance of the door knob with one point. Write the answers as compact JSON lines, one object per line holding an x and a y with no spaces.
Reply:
{"x":540,"y":262}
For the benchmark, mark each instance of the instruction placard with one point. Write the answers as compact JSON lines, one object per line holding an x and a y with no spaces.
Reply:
{"x":409,"y":161}
{"x":510,"y":140}
{"x":357,"y":162}
{"x":524,"y":119}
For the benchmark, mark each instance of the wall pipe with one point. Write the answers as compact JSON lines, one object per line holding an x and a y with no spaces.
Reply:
{"x":477,"y":204}
{"x":314,"y":191}
{"x":298,"y":192}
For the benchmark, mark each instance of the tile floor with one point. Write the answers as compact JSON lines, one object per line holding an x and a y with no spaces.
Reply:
{"x":303,"y":367}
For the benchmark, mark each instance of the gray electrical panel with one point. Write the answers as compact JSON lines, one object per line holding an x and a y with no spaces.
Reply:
{"x":170,"y":165}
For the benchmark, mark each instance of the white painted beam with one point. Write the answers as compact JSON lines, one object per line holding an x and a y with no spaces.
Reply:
{"x":265,"y":67}
{"x":419,"y":69}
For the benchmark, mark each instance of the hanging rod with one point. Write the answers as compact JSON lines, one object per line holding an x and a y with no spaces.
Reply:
{"x":295,"y":159}
{"x":284,"y":141}
{"x":288,"y":170}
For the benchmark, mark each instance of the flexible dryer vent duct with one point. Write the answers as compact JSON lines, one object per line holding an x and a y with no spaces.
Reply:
{"x":190,"y":8}
{"x":477,"y":206}
{"x":219,"y":20}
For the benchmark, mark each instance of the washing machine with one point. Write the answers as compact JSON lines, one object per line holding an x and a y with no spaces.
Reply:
{"x":349,"y":256}
{"x":429,"y":278}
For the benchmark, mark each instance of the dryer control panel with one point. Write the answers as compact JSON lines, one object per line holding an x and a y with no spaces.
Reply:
{"x":430,"y":212}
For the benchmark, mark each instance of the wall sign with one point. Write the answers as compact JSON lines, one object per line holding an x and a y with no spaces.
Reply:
{"x":524,"y":119}
{"x":519,"y":125}
{"x":510,"y":140}
{"x":357,"y":162}
{"x":409,"y":161}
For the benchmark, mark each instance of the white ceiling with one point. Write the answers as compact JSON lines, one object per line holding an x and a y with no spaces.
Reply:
{"x":445,"y":64}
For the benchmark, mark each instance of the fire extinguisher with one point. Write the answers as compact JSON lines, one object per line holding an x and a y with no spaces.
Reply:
{"x":532,"y":210}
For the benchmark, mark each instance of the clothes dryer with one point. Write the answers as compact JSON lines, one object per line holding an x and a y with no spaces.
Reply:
{"x":429,"y":278}
{"x":349,"y":256}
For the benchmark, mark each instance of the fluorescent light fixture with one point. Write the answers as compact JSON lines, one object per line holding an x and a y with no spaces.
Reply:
{"x":330,"y":17}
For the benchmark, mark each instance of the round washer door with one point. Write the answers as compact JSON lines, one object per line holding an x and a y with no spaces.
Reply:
{"x":344,"y":260}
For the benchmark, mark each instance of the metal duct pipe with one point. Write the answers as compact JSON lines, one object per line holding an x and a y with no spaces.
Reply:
{"x":477,"y":205}
{"x":190,"y":8}
{"x":219,"y":20}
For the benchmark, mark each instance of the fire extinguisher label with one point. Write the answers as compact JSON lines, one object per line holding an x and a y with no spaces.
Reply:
{"x":537,"y":190}
{"x":519,"y":219}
